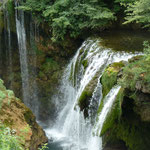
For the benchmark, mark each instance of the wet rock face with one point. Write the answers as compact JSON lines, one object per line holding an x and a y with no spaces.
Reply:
{"x":142,"y":106}
{"x":15,"y":115}
{"x":134,"y":119}
{"x":142,"y":87}
{"x":117,"y":146}
{"x":137,"y":85}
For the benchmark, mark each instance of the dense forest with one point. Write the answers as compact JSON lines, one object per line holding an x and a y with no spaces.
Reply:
{"x":78,"y":73}
{"x":74,"y":18}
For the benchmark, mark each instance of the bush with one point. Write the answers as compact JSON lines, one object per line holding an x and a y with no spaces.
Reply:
{"x":8,"y":139}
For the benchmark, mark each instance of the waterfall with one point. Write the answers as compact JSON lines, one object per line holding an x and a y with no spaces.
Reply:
{"x":34,"y":103}
{"x":28,"y":71}
{"x":107,"y":106}
{"x":23,"y":54}
{"x":109,"y":99}
{"x":70,"y":123}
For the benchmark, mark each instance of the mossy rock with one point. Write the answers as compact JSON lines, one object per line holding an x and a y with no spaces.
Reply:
{"x":128,"y":120}
{"x":115,"y":113}
{"x":15,"y":115}
{"x":109,"y":77}
{"x":85,"y":63}
{"x":71,"y":78}
{"x":136,"y":75}
{"x":84,"y":99}
{"x":129,"y":128}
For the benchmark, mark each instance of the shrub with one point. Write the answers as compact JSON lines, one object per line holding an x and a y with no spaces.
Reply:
{"x":8,"y":140}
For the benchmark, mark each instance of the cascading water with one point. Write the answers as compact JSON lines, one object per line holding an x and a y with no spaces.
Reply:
{"x":23,"y":54}
{"x":28,"y":73}
{"x":71,"y":127}
{"x":34,"y":103}
{"x":101,"y":118}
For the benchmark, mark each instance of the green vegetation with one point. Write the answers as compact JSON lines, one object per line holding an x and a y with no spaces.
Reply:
{"x":44,"y":147}
{"x":108,"y":80}
{"x":146,"y":49}
{"x":136,"y":74}
{"x":109,"y":77}
{"x":76,"y":17}
{"x":85,"y":63}
{"x":84,"y":99}
{"x":115,"y":113}
{"x":70,"y":17}
{"x":130,"y":128}
{"x":139,"y":12}
{"x":126,"y":121}
{"x":9,"y":141}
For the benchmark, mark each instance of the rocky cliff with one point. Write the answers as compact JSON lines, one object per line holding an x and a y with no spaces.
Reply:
{"x":128,"y":124}
{"x":15,"y":115}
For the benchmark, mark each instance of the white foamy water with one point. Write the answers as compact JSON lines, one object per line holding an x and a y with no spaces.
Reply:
{"x":77,"y":132}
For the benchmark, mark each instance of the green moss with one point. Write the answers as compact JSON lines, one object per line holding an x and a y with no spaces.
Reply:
{"x":50,"y":65}
{"x":10,"y":93}
{"x":129,"y":128}
{"x":131,"y":133}
{"x":8,"y":122}
{"x":41,"y":75}
{"x":109,"y":77}
{"x":11,"y":11}
{"x":115,"y":113}
{"x":82,"y":101}
{"x":117,"y":65}
{"x":85,"y":63}
{"x":1,"y":22}
{"x":84,"y":54}
{"x":10,"y":7}
{"x":28,"y":116}
{"x":123,"y":122}
{"x":2,"y":87}
{"x":71,"y":74}
{"x":137,"y":71}
{"x":76,"y":69}
{"x":49,"y":69}
{"x":81,"y":51}
{"x":2,"y":97}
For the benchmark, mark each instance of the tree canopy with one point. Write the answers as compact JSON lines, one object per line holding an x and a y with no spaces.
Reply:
{"x":72,"y":17}
{"x":139,"y":12}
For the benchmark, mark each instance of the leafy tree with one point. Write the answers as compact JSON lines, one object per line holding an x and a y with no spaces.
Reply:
{"x":139,"y":12}
{"x":71,"y":17}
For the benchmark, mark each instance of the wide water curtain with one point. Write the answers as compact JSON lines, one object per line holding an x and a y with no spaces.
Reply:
{"x":78,"y":120}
